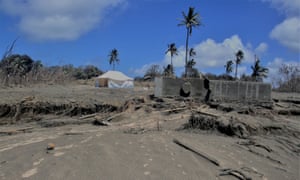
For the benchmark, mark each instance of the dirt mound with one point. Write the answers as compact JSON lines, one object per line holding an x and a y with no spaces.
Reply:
{"x":233,"y":126}
{"x":228,"y":126}
{"x":28,"y":110}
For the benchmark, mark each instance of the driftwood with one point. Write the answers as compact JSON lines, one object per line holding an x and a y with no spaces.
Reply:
{"x":261,"y":154}
{"x":104,"y":121}
{"x":112,"y":117}
{"x":235,"y":173}
{"x":249,"y":170}
{"x":205,"y":113}
{"x":174,"y":110}
{"x":88,"y":116}
{"x":16,"y":131}
{"x":100,"y":118}
{"x":100,"y":123}
{"x":201,"y":154}
{"x":253,"y":143}
{"x":73,"y":133}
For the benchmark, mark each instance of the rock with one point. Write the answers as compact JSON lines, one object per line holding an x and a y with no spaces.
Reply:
{"x":50,"y":146}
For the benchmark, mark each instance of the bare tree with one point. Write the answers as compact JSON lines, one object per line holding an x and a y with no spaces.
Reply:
{"x":289,"y":78}
{"x":153,"y":71}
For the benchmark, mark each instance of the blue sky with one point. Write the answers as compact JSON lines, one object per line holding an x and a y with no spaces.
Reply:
{"x":83,"y":32}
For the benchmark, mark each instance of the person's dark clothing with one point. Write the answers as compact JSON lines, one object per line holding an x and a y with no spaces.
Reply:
{"x":206,"y":86}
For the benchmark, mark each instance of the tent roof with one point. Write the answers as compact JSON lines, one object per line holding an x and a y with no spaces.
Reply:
{"x":115,"y":75}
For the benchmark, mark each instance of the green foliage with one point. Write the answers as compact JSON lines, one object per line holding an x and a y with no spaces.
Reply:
{"x":228,"y":66}
{"x":16,"y":65}
{"x":86,"y":72}
{"x":114,"y":57}
{"x":168,"y":71}
{"x":190,"y":20}
{"x":239,"y":57}
{"x":259,"y":72}
{"x":173,"y":51}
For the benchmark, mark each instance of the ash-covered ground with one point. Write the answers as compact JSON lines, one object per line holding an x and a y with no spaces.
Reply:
{"x":82,"y":132}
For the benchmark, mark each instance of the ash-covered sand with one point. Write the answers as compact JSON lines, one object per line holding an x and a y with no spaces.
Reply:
{"x":128,"y":134}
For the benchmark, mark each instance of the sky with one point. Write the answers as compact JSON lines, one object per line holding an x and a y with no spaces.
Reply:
{"x":83,"y":32}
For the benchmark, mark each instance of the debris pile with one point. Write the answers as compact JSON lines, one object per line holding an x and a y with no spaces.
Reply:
{"x":229,"y":126}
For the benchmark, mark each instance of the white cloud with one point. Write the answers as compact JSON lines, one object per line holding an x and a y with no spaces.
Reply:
{"x":212,"y":54}
{"x":178,"y":60}
{"x":58,"y":19}
{"x":289,"y":7}
{"x":261,"y":48}
{"x":288,"y":33}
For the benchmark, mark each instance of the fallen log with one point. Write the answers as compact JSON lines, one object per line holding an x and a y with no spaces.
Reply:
{"x":201,"y":154}
{"x":253,"y":143}
{"x":88,"y":116}
{"x":174,"y":110}
{"x":100,"y":123}
{"x":16,"y":131}
{"x":73,"y":133}
{"x":112,"y":117}
{"x":235,"y":173}
{"x":205,"y":113}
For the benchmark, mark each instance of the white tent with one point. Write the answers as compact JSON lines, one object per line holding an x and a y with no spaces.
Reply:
{"x":114,"y":79}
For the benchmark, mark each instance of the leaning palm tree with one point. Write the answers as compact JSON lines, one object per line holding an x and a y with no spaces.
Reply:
{"x":228,"y":66}
{"x":173,"y":51}
{"x":190,"y":20}
{"x":239,"y":57}
{"x":259,"y":72}
{"x":113,"y":57}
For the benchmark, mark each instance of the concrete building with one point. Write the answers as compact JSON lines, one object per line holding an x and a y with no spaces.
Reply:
{"x":220,"y":90}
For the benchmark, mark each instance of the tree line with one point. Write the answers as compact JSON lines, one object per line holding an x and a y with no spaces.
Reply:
{"x":17,"y":69}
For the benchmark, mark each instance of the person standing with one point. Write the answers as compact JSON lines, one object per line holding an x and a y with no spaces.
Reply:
{"x":206,"y":86}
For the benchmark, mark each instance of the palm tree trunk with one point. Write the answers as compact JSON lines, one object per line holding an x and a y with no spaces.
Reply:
{"x":171,"y":60}
{"x":186,"y":50}
{"x":236,"y":67}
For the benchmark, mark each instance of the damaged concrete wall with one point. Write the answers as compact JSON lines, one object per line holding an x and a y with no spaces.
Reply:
{"x":222,"y":90}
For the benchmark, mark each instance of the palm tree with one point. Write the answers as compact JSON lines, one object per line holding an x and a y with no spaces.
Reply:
{"x":191,"y":63}
{"x":258,"y":71}
{"x":190,"y":20}
{"x":192,"y":52}
{"x":228,"y":66}
{"x":113,"y":57}
{"x":173,"y":51}
{"x":239,"y":57}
